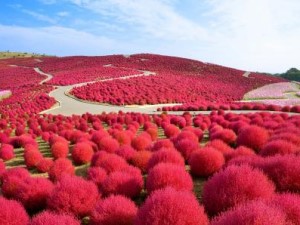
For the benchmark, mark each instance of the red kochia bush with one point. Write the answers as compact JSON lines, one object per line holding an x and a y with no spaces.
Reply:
{"x":12,"y":213}
{"x":255,"y":212}
{"x":126,"y":151}
{"x":50,"y":218}
{"x":288,"y":203}
{"x":253,"y":137}
{"x":82,"y":153}
{"x":61,"y":167}
{"x":44,"y":165}
{"x":162,"y":143}
{"x":206,"y":161}
{"x":7,"y":152}
{"x":73,"y":195}
{"x":168,"y":206}
{"x":239,"y":151}
{"x":2,"y":168}
{"x":233,"y":186}
{"x":186,"y":147}
{"x":32,"y":158}
{"x":165,"y":155}
{"x":226,"y":135}
{"x":281,"y":147}
{"x":114,"y":210}
{"x":220,"y":145}
{"x":108,"y":144}
{"x":97,"y":175}
{"x":141,"y":142}
{"x":167,"y":174}
{"x":128,"y":182}
{"x":108,"y":161}
{"x":171,"y":130}
{"x":141,"y":159}
{"x":284,"y":171}
{"x":34,"y":192}
{"x":60,"y":149}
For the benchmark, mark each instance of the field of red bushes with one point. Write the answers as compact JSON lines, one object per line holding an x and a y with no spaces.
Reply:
{"x":138,"y":169}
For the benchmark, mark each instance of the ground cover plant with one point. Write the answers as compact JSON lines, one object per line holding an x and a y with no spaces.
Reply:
{"x":102,"y":171}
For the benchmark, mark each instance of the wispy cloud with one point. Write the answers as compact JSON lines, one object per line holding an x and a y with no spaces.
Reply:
{"x":63,"y":14}
{"x":39,"y":16}
{"x":156,"y":17}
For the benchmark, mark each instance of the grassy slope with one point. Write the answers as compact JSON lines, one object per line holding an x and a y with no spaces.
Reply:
{"x":7,"y":55}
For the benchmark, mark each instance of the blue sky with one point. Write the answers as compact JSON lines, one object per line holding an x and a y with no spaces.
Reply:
{"x":255,"y":35}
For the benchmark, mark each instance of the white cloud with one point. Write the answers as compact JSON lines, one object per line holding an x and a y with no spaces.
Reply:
{"x":39,"y":16}
{"x":54,"y":40}
{"x":156,"y":17}
{"x":63,"y":14}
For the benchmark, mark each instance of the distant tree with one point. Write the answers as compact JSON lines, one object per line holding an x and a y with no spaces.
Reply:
{"x":292,"y":74}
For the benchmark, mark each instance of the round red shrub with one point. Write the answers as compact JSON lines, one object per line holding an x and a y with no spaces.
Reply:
{"x":97,"y":175}
{"x":281,"y":147}
{"x":141,"y":143}
{"x":108,"y":144}
{"x":186,"y":135}
{"x":226,"y":135}
{"x":233,"y":186}
{"x":34,"y":193}
{"x":141,"y":159}
{"x":166,"y":174}
{"x":60,"y":149}
{"x":171,"y":130}
{"x":289,"y":204}
{"x":253,"y":137}
{"x":128,"y":183}
{"x":126,"y":152}
{"x":206,"y":161}
{"x":61,"y":167}
{"x":44,"y":165}
{"x":284,"y":171}
{"x":7,"y":152}
{"x":74,"y":195}
{"x":255,"y":212}
{"x":219,"y":145}
{"x":123,"y":138}
{"x":165,"y":155}
{"x":82,"y":153}
{"x":239,"y":151}
{"x":32,"y":158}
{"x":12,"y":213}
{"x":114,"y":210}
{"x":162,"y":143}
{"x":169,"y":206}
{"x":51,"y":218}
{"x":186,"y":147}
{"x":108,"y":161}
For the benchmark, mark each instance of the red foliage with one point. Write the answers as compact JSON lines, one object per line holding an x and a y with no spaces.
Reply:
{"x":281,"y":147}
{"x":7,"y":152}
{"x":165,"y":155}
{"x":32,"y":158}
{"x":12,"y":213}
{"x":60,"y":149}
{"x":82,"y":153}
{"x":2,"y":168}
{"x":108,"y":144}
{"x":61,"y":167}
{"x":255,"y":212}
{"x":284,"y":171}
{"x":126,"y":151}
{"x":289,"y":204}
{"x":141,"y":159}
{"x":239,"y":151}
{"x":171,"y":130}
{"x":44,"y":165}
{"x":226,"y":135}
{"x":168,"y":175}
{"x":97,"y":175}
{"x":186,"y":147}
{"x":51,"y":218}
{"x":253,"y":137}
{"x":162,"y":143}
{"x":168,"y":206}
{"x":70,"y":195}
{"x":114,"y":210}
{"x":141,"y":142}
{"x":233,"y":186}
{"x":220,"y":145}
{"x":206,"y":161}
{"x":128,"y":183}
{"x":108,"y":161}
